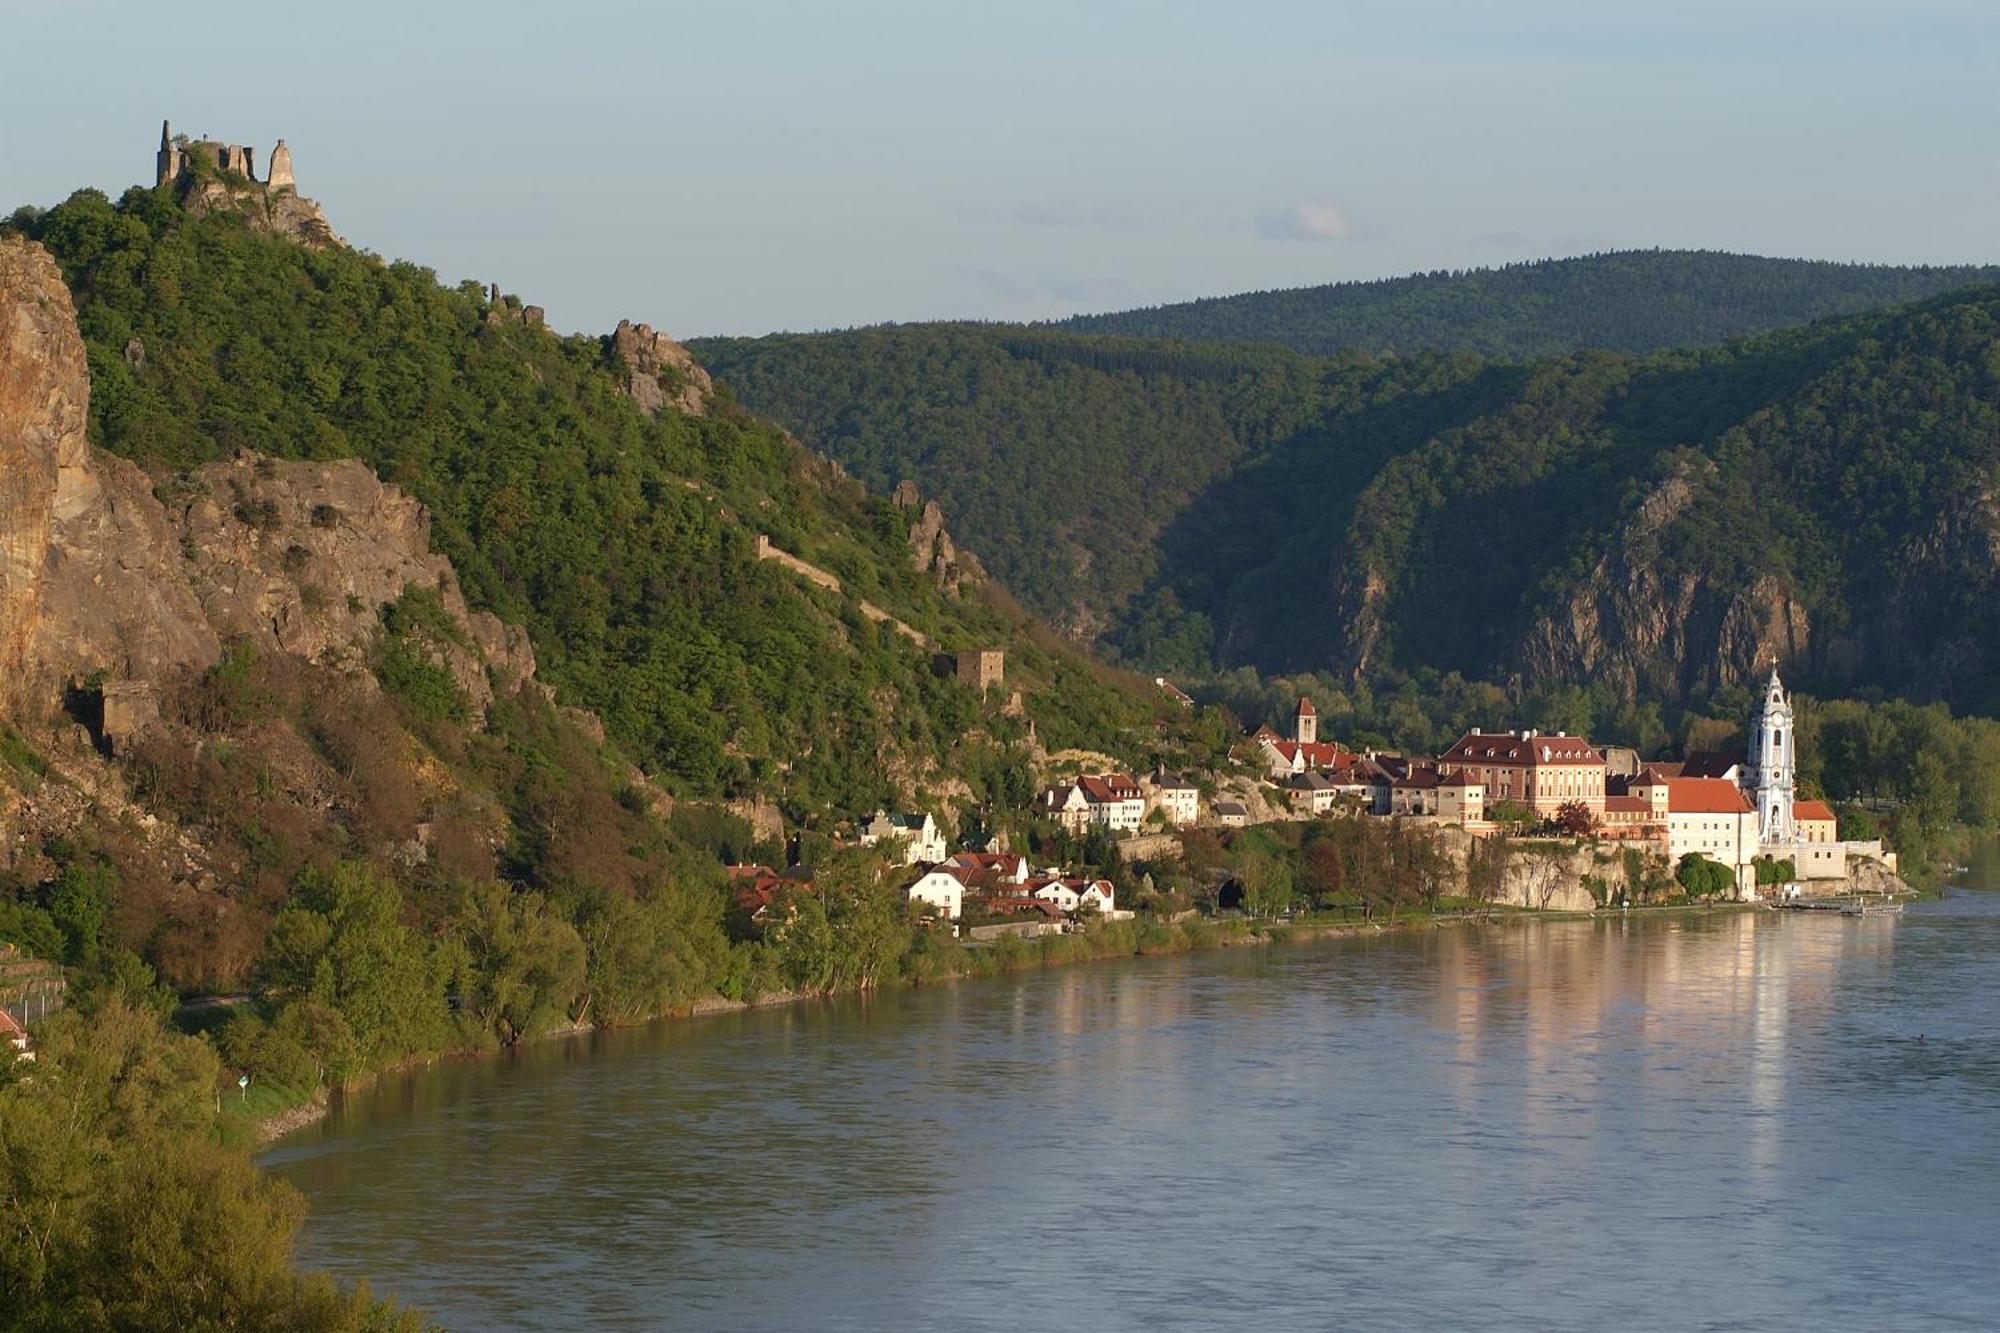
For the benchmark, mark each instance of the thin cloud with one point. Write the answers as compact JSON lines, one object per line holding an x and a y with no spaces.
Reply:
{"x":1063,"y":216}
{"x":1313,"y":220}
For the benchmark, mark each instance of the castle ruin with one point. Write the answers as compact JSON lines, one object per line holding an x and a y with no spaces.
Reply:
{"x":177,"y":158}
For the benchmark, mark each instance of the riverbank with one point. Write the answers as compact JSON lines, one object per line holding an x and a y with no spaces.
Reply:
{"x":1107,"y":941}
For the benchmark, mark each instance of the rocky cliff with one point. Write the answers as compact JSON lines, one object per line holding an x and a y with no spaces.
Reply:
{"x":105,"y":574}
{"x":658,"y":371}
{"x":1648,"y":630}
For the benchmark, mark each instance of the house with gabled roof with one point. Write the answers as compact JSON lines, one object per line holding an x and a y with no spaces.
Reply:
{"x":1538,"y":771}
{"x":941,"y":888}
{"x":1177,"y":797}
{"x":921,"y":840}
{"x":990,"y":867}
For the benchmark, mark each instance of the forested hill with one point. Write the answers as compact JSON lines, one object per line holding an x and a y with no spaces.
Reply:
{"x":1646,"y":525}
{"x":624,"y":541}
{"x":1627,"y":301}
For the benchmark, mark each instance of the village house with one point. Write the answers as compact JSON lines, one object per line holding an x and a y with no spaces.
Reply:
{"x":1311,"y":793}
{"x":1115,"y":801}
{"x":1231,"y":814}
{"x":1072,"y":894}
{"x":1178,"y":799}
{"x":1066,"y":804}
{"x":921,"y":840}
{"x":990,"y":867}
{"x":1540,"y":773}
{"x":1111,"y":800}
{"x":1450,"y":797}
{"x":756,"y":889}
{"x":940,"y":888}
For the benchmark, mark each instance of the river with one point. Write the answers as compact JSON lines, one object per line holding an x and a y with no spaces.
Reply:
{"x":1740,"y":1121}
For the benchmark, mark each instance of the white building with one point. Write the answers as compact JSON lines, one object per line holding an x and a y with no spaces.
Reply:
{"x":1770,"y":775}
{"x":1072,"y":894}
{"x":1711,"y":816}
{"x":940,"y":888}
{"x":1066,"y":804}
{"x":922,"y":840}
{"x":1177,"y":798}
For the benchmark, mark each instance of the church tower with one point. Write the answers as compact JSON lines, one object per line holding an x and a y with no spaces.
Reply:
{"x":1305,"y":722}
{"x":1770,"y":774}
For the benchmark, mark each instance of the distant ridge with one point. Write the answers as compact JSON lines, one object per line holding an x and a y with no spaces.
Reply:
{"x":1625,"y":300}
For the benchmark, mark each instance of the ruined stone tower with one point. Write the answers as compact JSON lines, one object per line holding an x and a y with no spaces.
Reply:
{"x":168,"y":163}
{"x":281,"y":169}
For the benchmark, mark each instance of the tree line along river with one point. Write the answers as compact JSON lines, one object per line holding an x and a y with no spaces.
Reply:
{"x":1744,"y":1120}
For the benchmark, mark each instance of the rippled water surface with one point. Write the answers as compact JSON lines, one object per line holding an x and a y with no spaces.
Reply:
{"x":1740,"y":1121}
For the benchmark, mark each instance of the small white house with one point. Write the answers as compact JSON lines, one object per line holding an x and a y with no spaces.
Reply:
{"x":1177,"y":798}
{"x":942,"y":889}
{"x":922,"y":839}
{"x":1070,"y":894}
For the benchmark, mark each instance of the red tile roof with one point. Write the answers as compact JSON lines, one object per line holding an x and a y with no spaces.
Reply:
{"x":1705,"y":796}
{"x":1514,"y":750}
{"x":1817,"y":811}
{"x":1631,"y":805}
{"x":1108,"y":788}
{"x":1318,"y":754}
{"x":1306,"y":708}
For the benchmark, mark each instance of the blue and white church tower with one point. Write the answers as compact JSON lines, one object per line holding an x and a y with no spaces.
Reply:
{"x":1770,"y":775}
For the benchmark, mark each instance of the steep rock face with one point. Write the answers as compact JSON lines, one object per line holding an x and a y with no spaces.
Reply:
{"x":300,"y":557}
{"x":275,"y":211}
{"x":659,"y":372}
{"x":1639,"y":627}
{"x":99,"y":574}
{"x":44,"y":403}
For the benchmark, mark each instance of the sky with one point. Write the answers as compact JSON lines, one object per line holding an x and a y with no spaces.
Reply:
{"x":753,"y":166}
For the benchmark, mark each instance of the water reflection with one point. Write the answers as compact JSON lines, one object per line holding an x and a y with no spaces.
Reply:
{"x":1670,"y":1122}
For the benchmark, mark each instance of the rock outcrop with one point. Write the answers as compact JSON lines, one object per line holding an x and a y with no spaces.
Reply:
{"x":1643,"y":627}
{"x":932,"y":550}
{"x":44,"y":403}
{"x":103,"y":574}
{"x":659,"y":372}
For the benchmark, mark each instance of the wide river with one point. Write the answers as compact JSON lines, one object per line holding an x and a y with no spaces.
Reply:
{"x":1740,"y":1121}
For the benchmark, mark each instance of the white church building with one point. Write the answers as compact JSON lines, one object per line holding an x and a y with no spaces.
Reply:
{"x":1769,"y":780}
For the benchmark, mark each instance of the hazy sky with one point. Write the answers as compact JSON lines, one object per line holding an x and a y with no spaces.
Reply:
{"x":752,"y":165}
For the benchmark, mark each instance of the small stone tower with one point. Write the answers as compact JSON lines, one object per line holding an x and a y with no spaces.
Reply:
{"x":281,"y":169}
{"x":1770,"y":775}
{"x":168,"y":163}
{"x":1305,"y":722}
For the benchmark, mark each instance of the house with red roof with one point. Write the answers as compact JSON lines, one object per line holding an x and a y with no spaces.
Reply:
{"x":1537,"y":771}
{"x":1815,"y":821}
{"x":1712,"y":817}
{"x":990,"y":867}
{"x":13,"y":1035}
{"x":941,"y":887}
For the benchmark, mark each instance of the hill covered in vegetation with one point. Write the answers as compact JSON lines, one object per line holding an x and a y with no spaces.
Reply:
{"x":1650,"y":526}
{"x":1625,"y":301}
{"x":623,"y":539}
